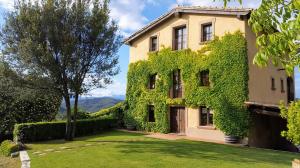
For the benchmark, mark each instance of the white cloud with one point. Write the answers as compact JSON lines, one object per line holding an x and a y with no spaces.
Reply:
{"x":116,"y":88}
{"x":7,"y":4}
{"x":129,"y":14}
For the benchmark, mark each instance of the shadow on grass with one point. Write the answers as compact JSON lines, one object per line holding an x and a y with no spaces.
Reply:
{"x":136,"y":144}
{"x":208,"y":151}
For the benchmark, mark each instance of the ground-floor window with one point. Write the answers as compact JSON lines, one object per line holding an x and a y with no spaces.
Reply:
{"x":205,"y":116}
{"x":151,"y":116}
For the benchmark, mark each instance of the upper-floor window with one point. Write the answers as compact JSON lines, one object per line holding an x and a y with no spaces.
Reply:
{"x":151,"y":116}
{"x":207,"y":32}
{"x":152,"y":80}
{"x":206,"y":116}
{"x":282,"y":85}
{"x":204,"y":78}
{"x":153,"y":43}
{"x":273,"y":84}
{"x":177,"y":86}
{"x":180,"y":38}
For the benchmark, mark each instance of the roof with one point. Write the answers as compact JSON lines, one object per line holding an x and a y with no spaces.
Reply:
{"x":189,"y":9}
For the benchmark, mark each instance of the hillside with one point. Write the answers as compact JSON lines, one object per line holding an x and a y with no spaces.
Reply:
{"x":93,"y":104}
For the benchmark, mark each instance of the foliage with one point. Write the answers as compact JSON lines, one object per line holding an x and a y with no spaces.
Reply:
{"x":31,"y":132}
{"x":20,"y":103}
{"x":74,"y":43}
{"x":228,"y":68}
{"x":292,"y":115}
{"x":7,"y":147}
{"x":277,"y":25}
{"x":114,"y":112}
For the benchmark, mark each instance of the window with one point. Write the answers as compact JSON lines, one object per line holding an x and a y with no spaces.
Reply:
{"x":282,"y":85}
{"x":177,"y":88}
{"x":152,"y":81}
{"x":207,"y":33}
{"x":153,"y":43}
{"x":204,"y":78}
{"x":273,"y":84}
{"x":206,"y":117}
{"x":180,"y":40}
{"x":151,"y":117}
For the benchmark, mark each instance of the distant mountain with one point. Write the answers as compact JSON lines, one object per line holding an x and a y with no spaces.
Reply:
{"x":93,"y":104}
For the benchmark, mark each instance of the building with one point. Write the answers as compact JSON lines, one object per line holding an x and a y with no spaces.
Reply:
{"x":193,"y":28}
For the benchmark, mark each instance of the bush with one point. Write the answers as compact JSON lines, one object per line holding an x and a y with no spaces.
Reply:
{"x":7,"y":147}
{"x":31,"y":132}
{"x":114,"y":112}
{"x":292,"y":115}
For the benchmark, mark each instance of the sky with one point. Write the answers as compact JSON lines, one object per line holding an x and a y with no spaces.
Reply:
{"x":131,"y":15}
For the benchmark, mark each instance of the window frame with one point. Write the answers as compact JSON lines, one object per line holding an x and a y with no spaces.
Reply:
{"x":282,"y":85}
{"x":151,"y":109}
{"x":183,"y":38}
{"x":273,"y":87}
{"x":209,"y":112}
{"x":211,"y":21}
{"x":151,"y":82}
{"x":202,"y":75}
{"x":202,"y":32}
{"x":151,"y":43}
{"x":177,"y":87}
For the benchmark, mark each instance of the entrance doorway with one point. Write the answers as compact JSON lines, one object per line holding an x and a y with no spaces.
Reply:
{"x":177,"y":119}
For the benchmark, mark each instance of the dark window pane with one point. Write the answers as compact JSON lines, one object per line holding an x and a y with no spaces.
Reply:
{"x":203,"y":116}
{"x":204,"y":78}
{"x":151,"y":116}
{"x":152,"y":81}
{"x":206,"y":116}
{"x":210,"y":121}
{"x":180,"y":40}
{"x":177,"y":87}
{"x":273,"y":84}
{"x":206,"y":32}
{"x":282,"y":85}
{"x":153,"y":43}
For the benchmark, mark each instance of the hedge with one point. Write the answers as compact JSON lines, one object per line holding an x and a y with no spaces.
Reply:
{"x":226,"y":60}
{"x":114,"y":112}
{"x":32,"y":132}
{"x":7,"y":147}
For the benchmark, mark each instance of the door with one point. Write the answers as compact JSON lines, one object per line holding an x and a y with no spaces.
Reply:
{"x":177,"y":119}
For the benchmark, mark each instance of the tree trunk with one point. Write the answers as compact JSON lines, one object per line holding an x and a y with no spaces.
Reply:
{"x":75,"y":115}
{"x":68,"y":135}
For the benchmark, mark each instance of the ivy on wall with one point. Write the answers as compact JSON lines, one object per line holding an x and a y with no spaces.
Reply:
{"x":226,"y":60}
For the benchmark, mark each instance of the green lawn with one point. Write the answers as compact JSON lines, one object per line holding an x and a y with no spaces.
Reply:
{"x":120,"y":149}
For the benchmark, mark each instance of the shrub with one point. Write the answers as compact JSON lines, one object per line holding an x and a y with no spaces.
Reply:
{"x":7,"y":147}
{"x":292,"y":115}
{"x":114,"y":112}
{"x":31,"y":132}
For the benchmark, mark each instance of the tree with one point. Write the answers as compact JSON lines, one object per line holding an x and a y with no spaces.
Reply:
{"x":277,"y":26}
{"x":73,"y":43}
{"x":292,"y":115}
{"x":21,"y":102}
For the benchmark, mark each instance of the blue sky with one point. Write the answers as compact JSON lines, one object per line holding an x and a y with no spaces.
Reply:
{"x":132,"y":15}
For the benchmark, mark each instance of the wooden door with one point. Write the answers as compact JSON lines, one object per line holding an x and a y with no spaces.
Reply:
{"x":177,"y":119}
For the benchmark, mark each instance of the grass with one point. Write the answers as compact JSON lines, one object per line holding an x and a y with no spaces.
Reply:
{"x":121,"y":149}
{"x":7,"y":162}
